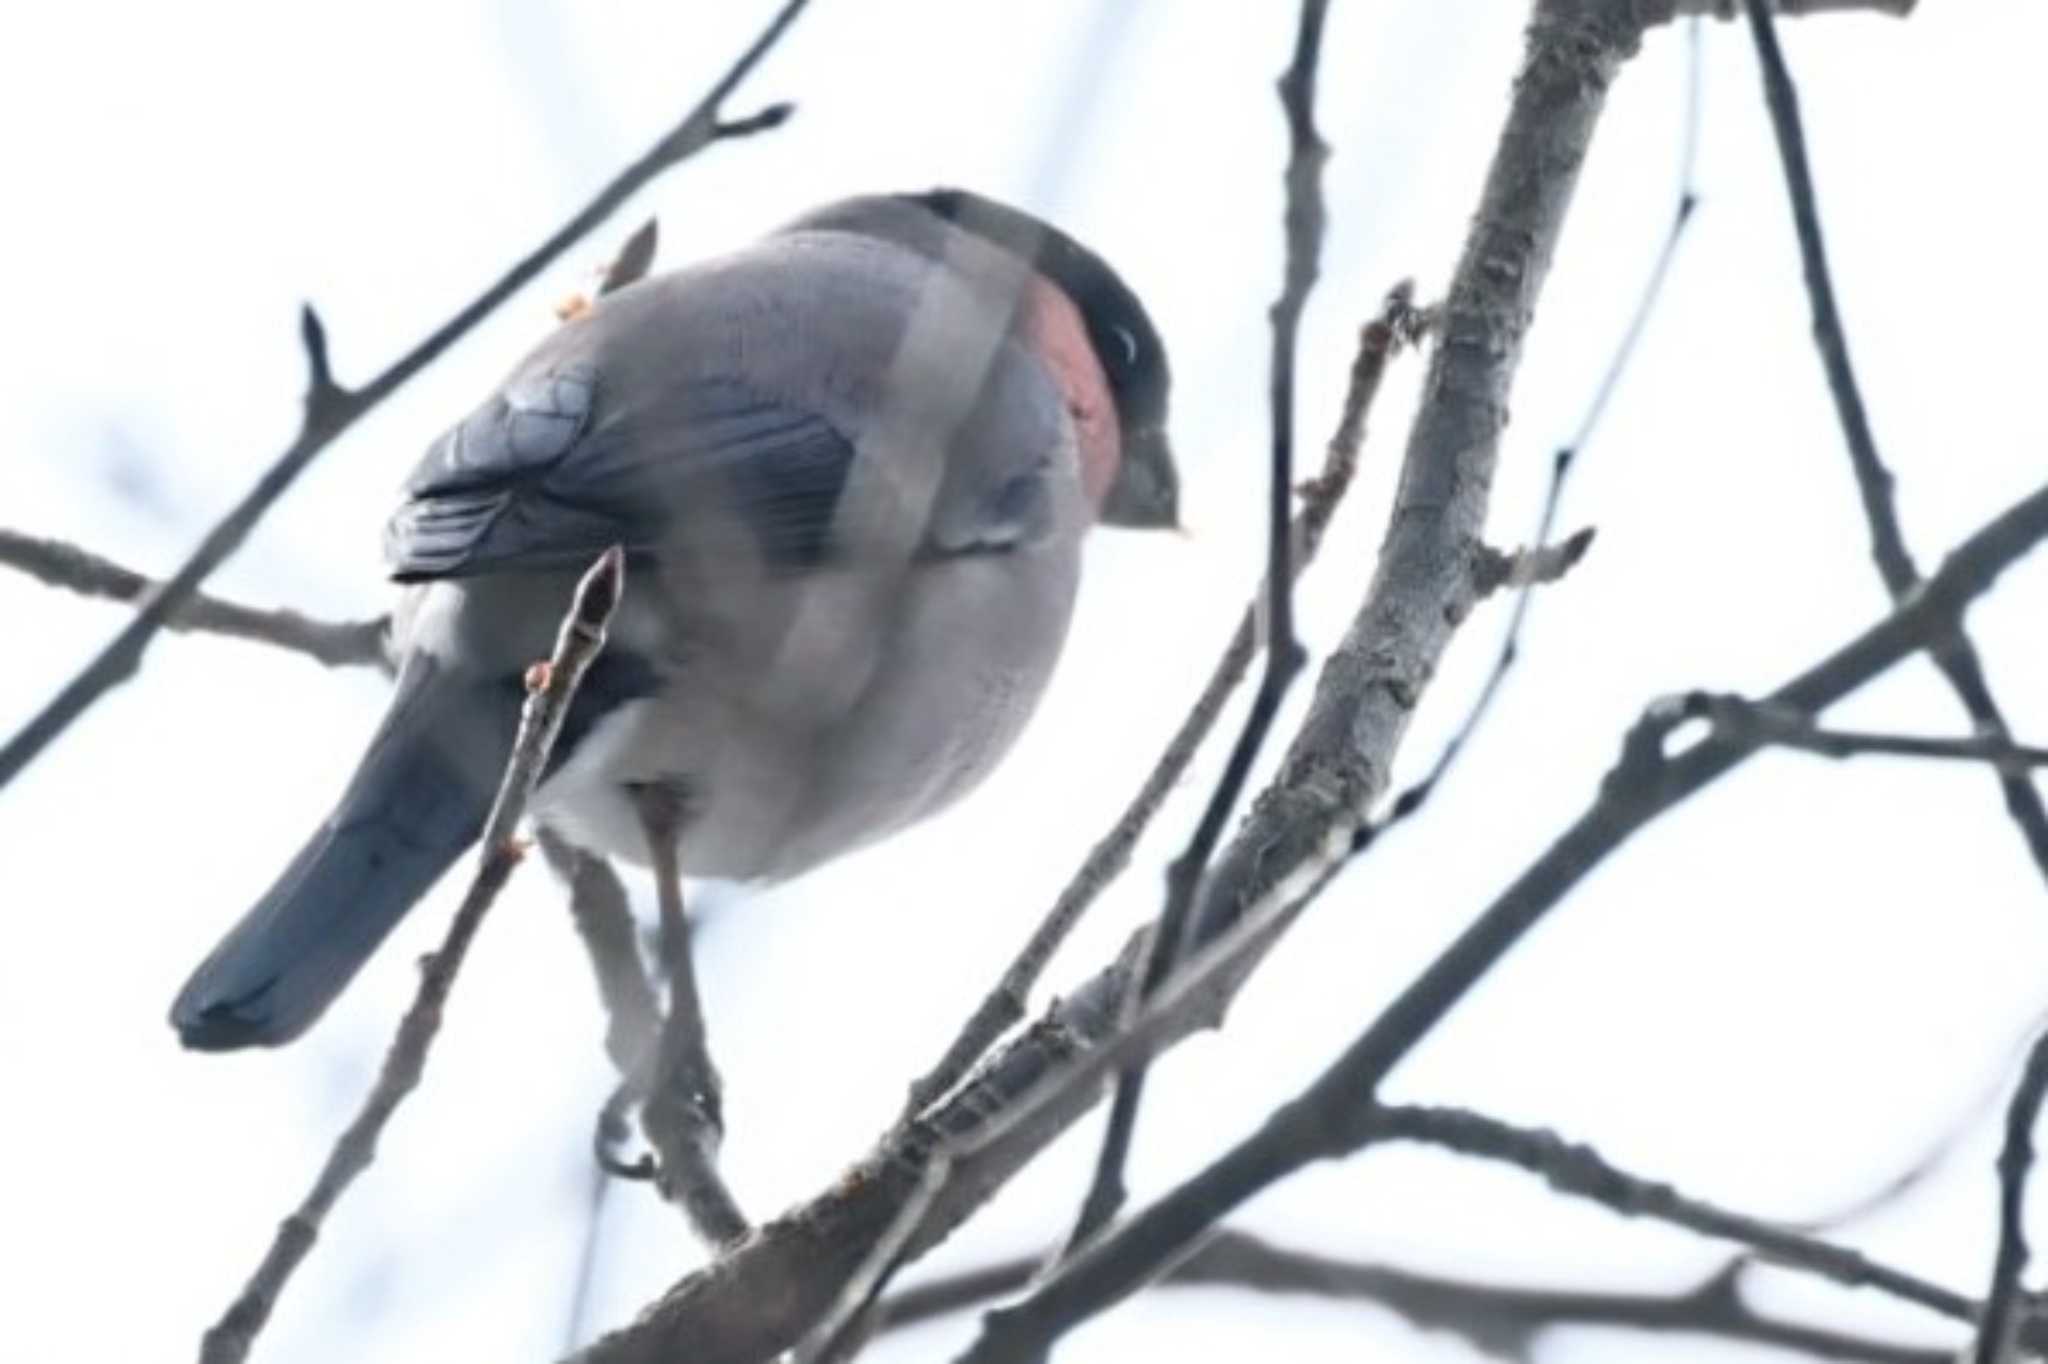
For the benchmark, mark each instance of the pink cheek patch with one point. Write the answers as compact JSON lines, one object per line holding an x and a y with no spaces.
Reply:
{"x":1062,"y":341}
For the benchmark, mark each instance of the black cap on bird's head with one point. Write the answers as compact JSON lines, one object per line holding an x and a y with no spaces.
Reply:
{"x":1145,"y":494}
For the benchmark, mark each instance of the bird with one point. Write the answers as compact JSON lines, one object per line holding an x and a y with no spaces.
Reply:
{"x":852,"y":466}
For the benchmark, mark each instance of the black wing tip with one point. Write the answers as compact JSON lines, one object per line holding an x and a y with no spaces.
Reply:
{"x":229,"y":1026}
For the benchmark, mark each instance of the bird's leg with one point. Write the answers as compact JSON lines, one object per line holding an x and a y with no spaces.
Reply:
{"x":682,"y":1114}
{"x":597,"y":904}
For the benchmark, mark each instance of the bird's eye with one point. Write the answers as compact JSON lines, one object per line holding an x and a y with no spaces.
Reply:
{"x":1129,"y":342}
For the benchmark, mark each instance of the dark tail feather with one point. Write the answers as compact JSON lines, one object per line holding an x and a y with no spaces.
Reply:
{"x":417,"y":801}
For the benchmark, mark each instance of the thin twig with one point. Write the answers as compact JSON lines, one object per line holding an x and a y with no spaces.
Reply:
{"x":1783,"y":727}
{"x":1304,"y":219}
{"x":1500,"y":1322}
{"x":2002,"y":1310}
{"x":550,"y":689}
{"x":681,"y":1103}
{"x":586,"y":1260}
{"x":1328,"y":1118}
{"x":338,"y":644}
{"x":1956,"y":657}
{"x":332,"y":409}
{"x":1399,"y":324}
{"x":1873,"y":480}
{"x":1582,"y":1172}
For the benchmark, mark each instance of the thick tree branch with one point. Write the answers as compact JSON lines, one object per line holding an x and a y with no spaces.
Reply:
{"x":331,"y":409}
{"x":551,"y":686}
{"x":338,"y":644}
{"x":1423,"y":586}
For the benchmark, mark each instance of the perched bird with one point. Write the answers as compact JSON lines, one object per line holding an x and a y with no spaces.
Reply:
{"x":852,"y":466}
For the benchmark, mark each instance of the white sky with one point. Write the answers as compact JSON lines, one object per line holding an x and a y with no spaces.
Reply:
{"x":1781,"y":997}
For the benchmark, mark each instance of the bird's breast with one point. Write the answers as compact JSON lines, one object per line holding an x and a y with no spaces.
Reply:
{"x":832,"y":710}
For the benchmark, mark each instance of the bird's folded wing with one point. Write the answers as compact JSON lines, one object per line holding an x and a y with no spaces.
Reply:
{"x":553,"y":469}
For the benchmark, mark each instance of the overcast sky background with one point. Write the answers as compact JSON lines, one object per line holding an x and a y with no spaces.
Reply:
{"x":1781,"y":997}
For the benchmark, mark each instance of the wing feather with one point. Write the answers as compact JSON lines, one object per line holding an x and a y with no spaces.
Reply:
{"x":543,"y":474}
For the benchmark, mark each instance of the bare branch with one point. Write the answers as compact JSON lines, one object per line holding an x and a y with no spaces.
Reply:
{"x":1546,"y":562}
{"x":1582,"y":1172}
{"x":1398,"y":324}
{"x":1336,"y":1113}
{"x":2002,"y":1314}
{"x":1783,"y":727}
{"x":1955,"y":656}
{"x":1498,"y":1320}
{"x":1304,"y":220}
{"x":338,"y":644}
{"x":550,"y":688}
{"x":331,"y":410}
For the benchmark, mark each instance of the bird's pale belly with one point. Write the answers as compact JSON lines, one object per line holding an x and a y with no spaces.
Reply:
{"x":760,"y":805}
{"x":774,"y":782}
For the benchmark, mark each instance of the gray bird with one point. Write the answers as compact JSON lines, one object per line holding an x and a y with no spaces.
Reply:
{"x":852,"y":466}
